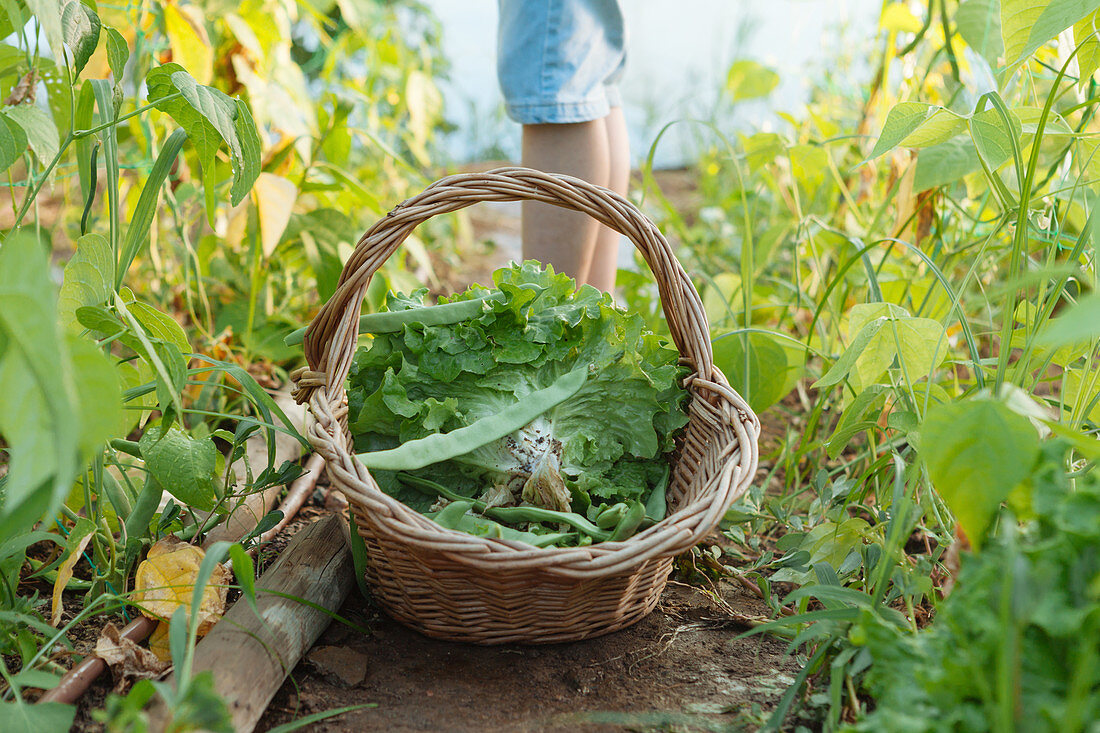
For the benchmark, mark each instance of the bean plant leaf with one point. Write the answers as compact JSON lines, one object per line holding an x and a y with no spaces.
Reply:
{"x":1079,"y":323}
{"x":979,"y":23}
{"x":275,"y":197}
{"x":916,"y":125}
{"x":39,"y":128}
{"x":13,"y":16}
{"x":48,"y":13}
{"x":1086,"y":35}
{"x":976,"y":453}
{"x":89,"y":277}
{"x":189,"y":41}
{"x":945,"y":163}
{"x":755,"y":365}
{"x":1026,"y":25}
{"x":99,"y":409}
{"x":209,"y":117}
{"x":13,"y":141}
{"x":160,"y":325}
{"x":80,"y":28}
{"x":46,"y":717}
{"x":184,"y":466}
{"x":118,"y":53}
{"x":749,"y":79}
{"x":994,"y":139}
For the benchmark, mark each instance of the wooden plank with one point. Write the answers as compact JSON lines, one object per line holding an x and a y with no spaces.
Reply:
{"x":249,"y":654}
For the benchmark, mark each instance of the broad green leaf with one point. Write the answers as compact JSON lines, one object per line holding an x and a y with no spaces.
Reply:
{"x":1026,"y":25}
{"x":210,"y":117}
{"x":275,"y":197}
{"x":39,"y":129}
{"x":36,"y":355}
{"x":945,"y":163}
{"x":184,"y":466}
{"x":118,"y":53}
{"x":809,"y":165}
{"x":748,"y":79}
{"x":916,"y":125}
{"x":994,"y":139}
{"x":917,"y":345}
{"x":755,"y":365}
{"x":1079,"y":323}
{"x":47,"y":717}
{"x":979,"y":23}
{"x":861,"y":414}
{"x":99,"y":404}
{"x":58,"y":91}
{"x":13,"y":141}
{"x":80,"y":28}
{"x":1086,"y":35}
{"x":13,"y":16}
{"x":160,"y":325}
{"x":89,"y":277}
{"x":976,"y":453}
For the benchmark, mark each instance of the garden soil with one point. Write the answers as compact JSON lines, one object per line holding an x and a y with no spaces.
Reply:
{"x":684,"y":667}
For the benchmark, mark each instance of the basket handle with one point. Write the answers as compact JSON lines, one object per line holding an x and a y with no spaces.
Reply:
{"x":331,"y":337}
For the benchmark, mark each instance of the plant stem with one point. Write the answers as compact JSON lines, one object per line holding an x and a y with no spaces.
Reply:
{"x":77,"y":134}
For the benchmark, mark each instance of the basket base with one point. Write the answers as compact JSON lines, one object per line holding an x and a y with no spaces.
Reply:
{"x":445,"y":602}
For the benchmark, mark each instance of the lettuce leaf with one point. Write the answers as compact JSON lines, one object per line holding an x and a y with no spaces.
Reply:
{"x":607,"y":440}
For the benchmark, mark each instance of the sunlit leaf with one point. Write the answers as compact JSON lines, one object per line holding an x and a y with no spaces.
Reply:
{"x":1086,"y":34}
{"x":1081,"y":322}
{"x":747,"y":79}
{"x":976,"y":453}
{"x":993,"y":137}
{"x":275,"y":197}
{"x":945,"y":163}
{"x":160,"y":325}
{"x":189,"y":41}
{"x":917,"y":125}
{"x":48,"y":717}
{"x":897,"y":17}
{"x":979,"y":23}
{"x":1027,"y":25}
{"x":118,"y":52}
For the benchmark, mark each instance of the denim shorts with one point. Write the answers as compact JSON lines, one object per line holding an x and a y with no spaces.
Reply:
{"x":560,"y":61}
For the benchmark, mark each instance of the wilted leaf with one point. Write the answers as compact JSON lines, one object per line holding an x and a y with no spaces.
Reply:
{"x":158,"y":642}
{"x":78,"y":539}
{"x":127,"y":659}
{"x":275,"y":198}
{"x":165,"y":581}
{"x":189,"y":41}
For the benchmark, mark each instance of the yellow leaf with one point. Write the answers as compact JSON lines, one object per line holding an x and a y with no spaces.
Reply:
{"x":166,"y":579}
{"x":896,"y":17}
{"x":189,"y":42}
{"x":158,"y":642}
{"x":275,"y":198}
{"x":83,"y":530}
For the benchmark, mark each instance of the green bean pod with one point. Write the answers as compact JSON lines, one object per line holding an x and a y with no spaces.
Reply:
{"x":609,"y":517}
{"x":632,"y":519}
{"x":513,"y":514}
{"x":443,"y":314}
{"x":445,"y":446}
{"x":656,"y":506}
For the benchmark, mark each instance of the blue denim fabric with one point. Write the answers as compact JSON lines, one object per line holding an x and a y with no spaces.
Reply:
{"x":559,"y":61}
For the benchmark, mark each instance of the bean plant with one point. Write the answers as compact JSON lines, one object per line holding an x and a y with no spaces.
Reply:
{"x":904,"y":284}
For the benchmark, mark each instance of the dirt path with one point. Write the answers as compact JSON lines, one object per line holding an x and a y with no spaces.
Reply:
{"x":681,"y":666}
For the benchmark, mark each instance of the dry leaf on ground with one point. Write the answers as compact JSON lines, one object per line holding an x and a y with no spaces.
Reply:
{"x":158,"y":642}
{"x":166,"y":579}
{"x":127,"y":659}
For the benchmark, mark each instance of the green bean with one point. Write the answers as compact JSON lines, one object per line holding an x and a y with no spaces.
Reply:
{"x":656,"y":505}
{"x":610,"y":516}
{"x":455,"y":516}
{"x":445,"y":446}
{"x":631,"y":520}
{"x":514,"y":514}
{"x":429,"y":315}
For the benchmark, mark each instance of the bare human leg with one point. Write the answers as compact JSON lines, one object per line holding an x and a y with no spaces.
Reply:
{"x":552,"y":235}
{"x":605,"y":257}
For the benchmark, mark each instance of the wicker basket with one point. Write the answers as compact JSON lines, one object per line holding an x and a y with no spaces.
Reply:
{"x":452,"y":585}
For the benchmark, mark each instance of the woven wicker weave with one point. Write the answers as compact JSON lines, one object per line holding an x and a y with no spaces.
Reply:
{"x":452,"y":585}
